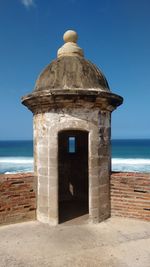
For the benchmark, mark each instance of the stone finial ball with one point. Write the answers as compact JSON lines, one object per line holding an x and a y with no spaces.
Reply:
{"x":70,"y":36}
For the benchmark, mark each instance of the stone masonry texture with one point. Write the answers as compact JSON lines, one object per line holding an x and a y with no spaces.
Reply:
{"x":46,"y":129}
{"x":17,"y":198}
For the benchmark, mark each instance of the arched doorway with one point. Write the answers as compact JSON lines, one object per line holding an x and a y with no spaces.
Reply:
{"x":73,"y":174}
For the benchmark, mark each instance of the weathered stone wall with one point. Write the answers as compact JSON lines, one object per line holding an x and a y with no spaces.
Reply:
{"x":130,"y":195}
{"x":17,"y":197}
{"x":46,"y":129}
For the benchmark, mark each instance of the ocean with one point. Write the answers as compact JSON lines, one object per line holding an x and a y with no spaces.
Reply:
{"x":127,"y":155}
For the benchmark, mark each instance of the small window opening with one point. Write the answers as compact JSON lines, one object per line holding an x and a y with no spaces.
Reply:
{"x":72,"y":144}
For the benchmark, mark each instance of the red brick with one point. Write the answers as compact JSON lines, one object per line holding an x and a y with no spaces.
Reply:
{"x":126,"y":198}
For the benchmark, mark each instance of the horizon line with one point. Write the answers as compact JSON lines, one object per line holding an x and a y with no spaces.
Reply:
{"x":120,"y":138}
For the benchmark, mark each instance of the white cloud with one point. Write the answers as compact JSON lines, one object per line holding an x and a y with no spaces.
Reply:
{"x":28,"y":3}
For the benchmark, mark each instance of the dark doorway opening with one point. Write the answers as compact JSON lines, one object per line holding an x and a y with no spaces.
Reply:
{"x":73,"y":174}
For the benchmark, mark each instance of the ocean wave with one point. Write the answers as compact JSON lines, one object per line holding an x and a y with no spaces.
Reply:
{"x":16,"y":160}
{"x":19,"y":171}
{"x":16,"y":164}
{"x":25,"y":164}
{"x":131,"y":165}
{"x":130,"y":161}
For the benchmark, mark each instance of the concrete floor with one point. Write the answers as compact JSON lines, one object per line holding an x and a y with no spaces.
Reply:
{"x":117,"y":242}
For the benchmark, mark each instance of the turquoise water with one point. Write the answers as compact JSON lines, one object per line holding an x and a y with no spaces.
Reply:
{"x":131,"y":155}
{"x":139,"y":148}
{"x":127,"y":155}
{"x":16,"y":156}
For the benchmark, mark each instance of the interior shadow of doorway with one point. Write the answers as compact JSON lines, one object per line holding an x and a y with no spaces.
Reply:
{"x":73,"y":174}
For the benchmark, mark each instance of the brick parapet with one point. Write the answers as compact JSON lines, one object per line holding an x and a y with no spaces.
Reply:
{"x":17,"y":197}
{"x":130,"y":195}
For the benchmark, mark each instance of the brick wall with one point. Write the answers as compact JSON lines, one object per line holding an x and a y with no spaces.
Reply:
{"x":17,"y":197}
{"x":130,"y":195}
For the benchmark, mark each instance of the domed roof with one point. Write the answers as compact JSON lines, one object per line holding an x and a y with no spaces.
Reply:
{"x":71,"y":70}
{"x":71,"y":81}
{"x":71,"y":73}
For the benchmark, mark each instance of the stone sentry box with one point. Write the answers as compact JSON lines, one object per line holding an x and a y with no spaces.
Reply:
{"x":72,"y":99}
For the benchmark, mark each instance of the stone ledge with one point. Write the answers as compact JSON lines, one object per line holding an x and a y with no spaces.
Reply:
{"x":56,"y":98}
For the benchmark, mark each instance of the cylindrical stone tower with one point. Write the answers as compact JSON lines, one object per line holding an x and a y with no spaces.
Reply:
{"x":72,"y":106}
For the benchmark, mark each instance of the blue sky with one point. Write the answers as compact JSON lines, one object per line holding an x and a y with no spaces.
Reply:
{"x":115,"y":35}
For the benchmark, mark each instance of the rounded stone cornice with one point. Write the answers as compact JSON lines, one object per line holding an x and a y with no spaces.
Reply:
{"x":38,"y":102}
